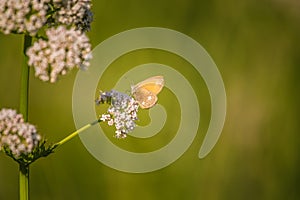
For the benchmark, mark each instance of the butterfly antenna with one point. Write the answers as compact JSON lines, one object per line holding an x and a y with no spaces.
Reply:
{"x":131,"y":85}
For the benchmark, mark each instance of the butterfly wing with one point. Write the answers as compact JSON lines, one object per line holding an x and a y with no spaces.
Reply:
{"x":145,"y":92}
{"x":145,"y":98}
{"x":153,"y":84}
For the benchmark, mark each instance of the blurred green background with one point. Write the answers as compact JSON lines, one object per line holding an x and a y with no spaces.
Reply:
{"x":255,"y":45}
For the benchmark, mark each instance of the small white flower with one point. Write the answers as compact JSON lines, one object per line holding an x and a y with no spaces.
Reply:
{"x":23,"y":15}
{"x":64,"y":50}
{"x":123,"y":111}
{"x":110,"y":122}
{"x":18,"y":136}
{"x":77,"y":12}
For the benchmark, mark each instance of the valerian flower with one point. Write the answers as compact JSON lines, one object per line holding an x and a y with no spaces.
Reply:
{"x":74,"y":12}
{"x":122,"y":112}
{"x":61,"y":52}
{"x":23,"y":16}
{"x":15,"y":134}
{"x":62,"y":44}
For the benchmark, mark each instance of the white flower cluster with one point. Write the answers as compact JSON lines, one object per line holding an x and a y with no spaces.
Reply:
{"x":63,"y":50}
{"x":65,"y":46}
{"x":18,"y":136}
{"x":76,"y":12}
{"x":22,"y":15}
{"x":122,"y":113}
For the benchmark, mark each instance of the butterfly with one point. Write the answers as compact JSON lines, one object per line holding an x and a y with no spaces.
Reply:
{"x":145,"y":92}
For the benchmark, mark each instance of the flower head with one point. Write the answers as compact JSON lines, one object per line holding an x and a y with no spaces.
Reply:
{"x":64,"y":49}
{"x":122,"y":111}
{"x":77,"y":12}
{"x":23,"y":15}
{"x":15,"y":134}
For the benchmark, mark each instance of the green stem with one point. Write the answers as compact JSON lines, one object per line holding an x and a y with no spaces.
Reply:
{"x":25,"y":79}
{"x":24,"y":170}
{"x":69,"y":137}
{"x":23,"y":181}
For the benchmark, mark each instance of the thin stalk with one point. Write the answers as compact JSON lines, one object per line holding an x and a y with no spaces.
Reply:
{"x":25,"y":79}
{"x":23,"y":181}
{"x":75,"y":133}
{"x":24,"y":170}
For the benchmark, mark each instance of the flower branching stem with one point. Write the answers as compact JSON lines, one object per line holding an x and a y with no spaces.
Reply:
{"x":24,"y":169}
{"x":75,"y":133}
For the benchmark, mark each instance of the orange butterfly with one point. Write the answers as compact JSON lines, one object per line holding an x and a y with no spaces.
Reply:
{"x":145,"y":92}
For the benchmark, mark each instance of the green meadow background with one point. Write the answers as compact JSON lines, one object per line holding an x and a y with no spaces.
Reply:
{"x":256,"y":46}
